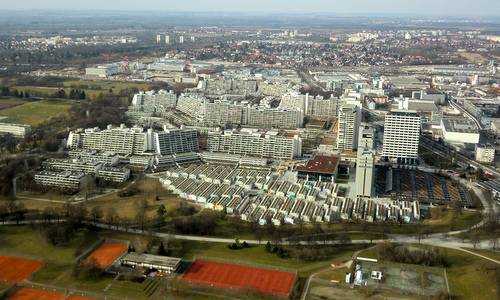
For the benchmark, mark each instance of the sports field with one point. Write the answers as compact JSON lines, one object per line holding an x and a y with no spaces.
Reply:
{"x":36,"y":294}
{"x":15,"y":269}
{"x":230,"y":276}
{"x":107,"y":253}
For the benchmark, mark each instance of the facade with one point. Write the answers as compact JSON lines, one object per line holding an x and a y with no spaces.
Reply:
{"x":365,"y":162}
{"x":253,"y":143}
{"x":310,"y":106}
{"x":103,"y":71}
{"x":113,"y":174}
{"x":162,"y":263}
{"x":192,"y":105}
{"x":135,"y":141}
{"x":459,"y":130}
{"x":75,"y":165}
{"x":171,"y":141}
{"x":485,"y":153}
{"x":348,"y":126}
{"x":155,"y":101}
{"x":63,"y":180}
{"x":17,"y":130}
{"x":401,"y":135}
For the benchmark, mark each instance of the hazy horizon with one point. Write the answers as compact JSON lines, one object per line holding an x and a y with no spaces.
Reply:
{"x":356,"y":7}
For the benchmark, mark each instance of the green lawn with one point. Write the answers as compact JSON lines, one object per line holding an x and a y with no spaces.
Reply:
{"x":256,"y":255}
{"x":92,"y":88}
{"x":472,"y":277}
{"x":35,"y":112}
{"x":10,"y":102}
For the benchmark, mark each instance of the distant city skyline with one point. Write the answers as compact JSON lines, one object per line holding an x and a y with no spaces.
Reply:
{"x":372,"y":7}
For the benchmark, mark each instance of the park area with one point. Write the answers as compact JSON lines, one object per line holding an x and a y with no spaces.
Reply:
{"x":107,"y":253}
{"x":26,"y":293}
{"x":239,"y":277}
{"x":33,"y":112}
{"x":15,"y":269}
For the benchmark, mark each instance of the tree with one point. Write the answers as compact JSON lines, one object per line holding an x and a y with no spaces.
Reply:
{"x":96,"y":214}
{"x":161,"y":212}
{"x":112,"y":216}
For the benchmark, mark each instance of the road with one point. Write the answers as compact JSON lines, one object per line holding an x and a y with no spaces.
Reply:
{"x":445,"y":240}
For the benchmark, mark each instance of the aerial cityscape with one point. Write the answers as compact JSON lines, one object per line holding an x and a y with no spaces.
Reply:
{"x":302,"y":150}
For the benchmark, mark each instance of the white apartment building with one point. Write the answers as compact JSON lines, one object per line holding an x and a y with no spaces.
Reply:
{"x":365,"y":162}
{"x":134,"y":141}
{"x":401,"y":135}
{"x":348,"y":127}
{"x":64,"y":180}
{"x":17,"y":130}
{"x":192,"y":105}
{"x":155,"y":101}
{"x":310,"y":106}
{"x":113,"y":174}
{"x":254,"y":143}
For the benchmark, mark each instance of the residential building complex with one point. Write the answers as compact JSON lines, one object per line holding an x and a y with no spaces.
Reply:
{"x":17,"y":130}
{"x":348,"y":127}
{"x":401,"y":135}
{"x":269,"y":144}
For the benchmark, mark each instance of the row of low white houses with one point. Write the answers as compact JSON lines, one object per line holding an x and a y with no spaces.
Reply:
{"x":284,"y":202}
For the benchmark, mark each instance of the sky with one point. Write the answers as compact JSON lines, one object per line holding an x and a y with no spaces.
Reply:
{"x":474,"y":8}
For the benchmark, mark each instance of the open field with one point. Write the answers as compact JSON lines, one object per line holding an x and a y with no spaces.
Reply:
{"x":258,"y":256}
{"x":324,"y":290}
{"x":491,"y":254}
{"x":231,"y":276}
{"x":92,"y":88}
{"x":27,"y":293}
{"x":35,"y":112}
{"x":107,"y":253}
{"x":6,"y":103}
{"x":148,"y":188}
{"x":15,"y":269}
{"x":472,"y":277}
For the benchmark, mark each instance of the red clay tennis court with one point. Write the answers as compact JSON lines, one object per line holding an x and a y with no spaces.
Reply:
{"x":15,"y":269}
{"x":230,"y":276}
{"x":107,"y":253}
{"x":26,"y":293}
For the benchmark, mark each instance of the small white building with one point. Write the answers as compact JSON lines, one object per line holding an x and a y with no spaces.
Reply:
{"x":485,"y":153}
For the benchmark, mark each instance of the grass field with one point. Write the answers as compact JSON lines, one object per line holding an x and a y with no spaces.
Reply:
{"x":127,"y":207}
{"x":472,"y":277}
{"x":258,"y":256}
{"x":35,"y":112}
{"x":10,"y":102}
{"x":466,"y":273}
{"x":92,"y":88}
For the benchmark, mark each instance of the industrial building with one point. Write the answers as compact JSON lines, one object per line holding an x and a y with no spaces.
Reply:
{"x":459,"y":130}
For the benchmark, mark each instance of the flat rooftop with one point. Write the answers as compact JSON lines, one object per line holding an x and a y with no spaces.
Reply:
{"x":461,"y":125}
{"x":150,"y":259}
{"x":321,"y":164}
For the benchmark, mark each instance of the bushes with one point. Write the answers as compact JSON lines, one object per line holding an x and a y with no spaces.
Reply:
{"x":202,"y":224}
{"x":418,"y":256}
{"x":237,"y":245}
{"x":88,"y":270}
